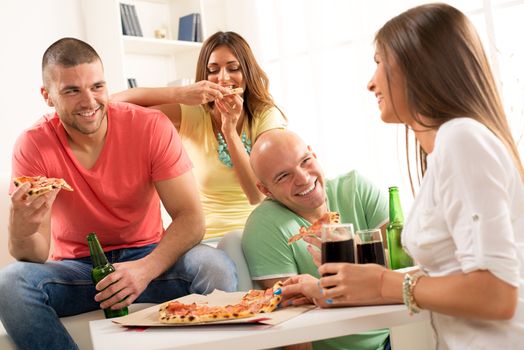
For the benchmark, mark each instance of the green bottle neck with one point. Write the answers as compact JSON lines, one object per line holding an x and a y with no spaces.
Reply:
{"x":395,"y":209}
{"x":98,"y":257}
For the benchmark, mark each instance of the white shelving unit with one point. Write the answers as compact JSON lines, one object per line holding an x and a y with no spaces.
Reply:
{"x":151,"y":61}
{"x":140,"y":45}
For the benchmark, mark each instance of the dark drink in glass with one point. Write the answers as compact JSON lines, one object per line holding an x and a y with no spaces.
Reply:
{"x":338,"y":251}
{"x":371,"y":253}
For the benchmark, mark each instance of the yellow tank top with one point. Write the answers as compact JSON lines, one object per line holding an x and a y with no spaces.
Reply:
{"x":225,"y":204}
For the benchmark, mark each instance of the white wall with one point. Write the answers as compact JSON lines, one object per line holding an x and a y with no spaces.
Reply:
{"x":28,"y":27}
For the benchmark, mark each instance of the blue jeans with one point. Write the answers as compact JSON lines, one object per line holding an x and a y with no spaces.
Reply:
{"x":33,"y":296}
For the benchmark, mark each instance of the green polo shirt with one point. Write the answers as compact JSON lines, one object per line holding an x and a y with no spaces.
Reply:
{"x":271,"y":224}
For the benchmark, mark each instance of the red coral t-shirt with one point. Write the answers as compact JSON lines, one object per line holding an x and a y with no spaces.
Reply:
{"x":116,"y":198}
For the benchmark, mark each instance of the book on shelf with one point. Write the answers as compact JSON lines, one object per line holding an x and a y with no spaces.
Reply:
{"x":130,"y":23}
{"x":198,"y":24}
{"x":126,"y":23}
{"x":190,"y":27}
{"x":131,"y":83}
{"x":135,"y":21}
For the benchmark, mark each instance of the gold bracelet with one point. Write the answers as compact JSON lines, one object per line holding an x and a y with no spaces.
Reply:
{"x":408,"y":287}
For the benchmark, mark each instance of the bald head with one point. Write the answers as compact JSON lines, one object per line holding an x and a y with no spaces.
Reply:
{"x":272,"y":148}
{"x":289,"y":173}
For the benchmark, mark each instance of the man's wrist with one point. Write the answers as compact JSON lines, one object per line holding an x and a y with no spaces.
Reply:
{"x":18,"y":239}
{"x":155,"y":264}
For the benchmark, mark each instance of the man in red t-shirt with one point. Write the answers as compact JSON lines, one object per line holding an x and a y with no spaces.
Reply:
{"x":121,"y":161}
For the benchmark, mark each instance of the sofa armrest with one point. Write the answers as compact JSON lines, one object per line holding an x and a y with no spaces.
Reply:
{"x":231,"y":243}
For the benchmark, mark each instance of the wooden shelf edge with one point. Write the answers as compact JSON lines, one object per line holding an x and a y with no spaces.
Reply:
{"x":153,"y":46}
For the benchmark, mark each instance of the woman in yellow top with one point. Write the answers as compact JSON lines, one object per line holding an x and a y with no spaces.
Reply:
{"x":217,"y":129}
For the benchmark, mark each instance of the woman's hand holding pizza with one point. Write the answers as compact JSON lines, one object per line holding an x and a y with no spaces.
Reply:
{"x":230,"y":108}
{"x":201,"y":92}
{"x":122,"y":287}
{"x":300,"y":290}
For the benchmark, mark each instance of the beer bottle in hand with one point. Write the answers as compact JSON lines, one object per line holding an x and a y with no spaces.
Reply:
{"x":102,"y":268}
{"x":398,"y":258}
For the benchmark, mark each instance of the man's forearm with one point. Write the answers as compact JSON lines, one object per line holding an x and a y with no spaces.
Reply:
{"x":183,"y":233}
{"x":33,"y":248}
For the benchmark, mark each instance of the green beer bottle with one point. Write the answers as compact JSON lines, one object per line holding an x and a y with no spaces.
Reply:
{"x":101,"y":268}
{"x":398,"y":258}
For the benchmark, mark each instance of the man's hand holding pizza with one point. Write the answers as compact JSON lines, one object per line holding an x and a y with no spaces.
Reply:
{"x":314,"y":248}
{"x":312,"y":235}
{"x":30,"y":216}
{"x":29,"y":224}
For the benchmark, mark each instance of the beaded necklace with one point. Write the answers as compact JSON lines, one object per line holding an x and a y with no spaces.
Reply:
{"x":223,"y":151}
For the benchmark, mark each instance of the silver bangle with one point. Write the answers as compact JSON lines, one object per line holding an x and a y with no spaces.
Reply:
{"x":408,"y":287}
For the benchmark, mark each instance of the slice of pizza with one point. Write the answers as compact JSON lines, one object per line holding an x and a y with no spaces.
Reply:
{"x":176,"y":312}
{"x":235,"y":91}
{"x":252,"y":303}
{"x":41,"y":185}
{"x":262,"y":301}
{"x":331,"y":217}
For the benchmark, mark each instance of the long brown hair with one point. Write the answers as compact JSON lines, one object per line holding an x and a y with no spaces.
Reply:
{"x":256,"y":95}
{"x":446,"y":71}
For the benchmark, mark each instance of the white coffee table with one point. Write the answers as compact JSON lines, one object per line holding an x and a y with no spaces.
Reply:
{"x":313,"y":325}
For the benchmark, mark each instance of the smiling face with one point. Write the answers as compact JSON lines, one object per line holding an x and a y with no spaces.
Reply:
{"x":79,"y":96}
{"x":390,"y":92}
{"x":224,"y":68}
{"x":289,"y":173}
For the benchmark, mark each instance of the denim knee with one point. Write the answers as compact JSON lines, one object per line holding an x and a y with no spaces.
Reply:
{"x":223,"y":270}
{"x":11,"y":284}
{"x":21,"y":297}
{"x":215,"y":270}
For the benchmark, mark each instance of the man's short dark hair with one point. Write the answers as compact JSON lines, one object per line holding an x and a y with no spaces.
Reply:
{"x":68,"y":52}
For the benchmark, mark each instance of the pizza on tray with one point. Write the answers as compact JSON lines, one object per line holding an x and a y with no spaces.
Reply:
{"x":41,"y":185}
{"x":252,"y":303}
{"x":330,"y":217}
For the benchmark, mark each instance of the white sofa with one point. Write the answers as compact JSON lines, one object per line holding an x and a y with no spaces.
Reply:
{"x":78,"y":326}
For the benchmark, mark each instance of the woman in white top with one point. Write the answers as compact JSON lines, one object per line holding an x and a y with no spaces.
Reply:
{"x":466,"y":228}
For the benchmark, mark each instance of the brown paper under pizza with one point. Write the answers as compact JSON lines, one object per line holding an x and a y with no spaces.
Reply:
{"x":149,"y":317}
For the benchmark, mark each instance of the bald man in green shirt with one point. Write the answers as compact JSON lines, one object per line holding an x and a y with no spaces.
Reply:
{"x":297,"y":195}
